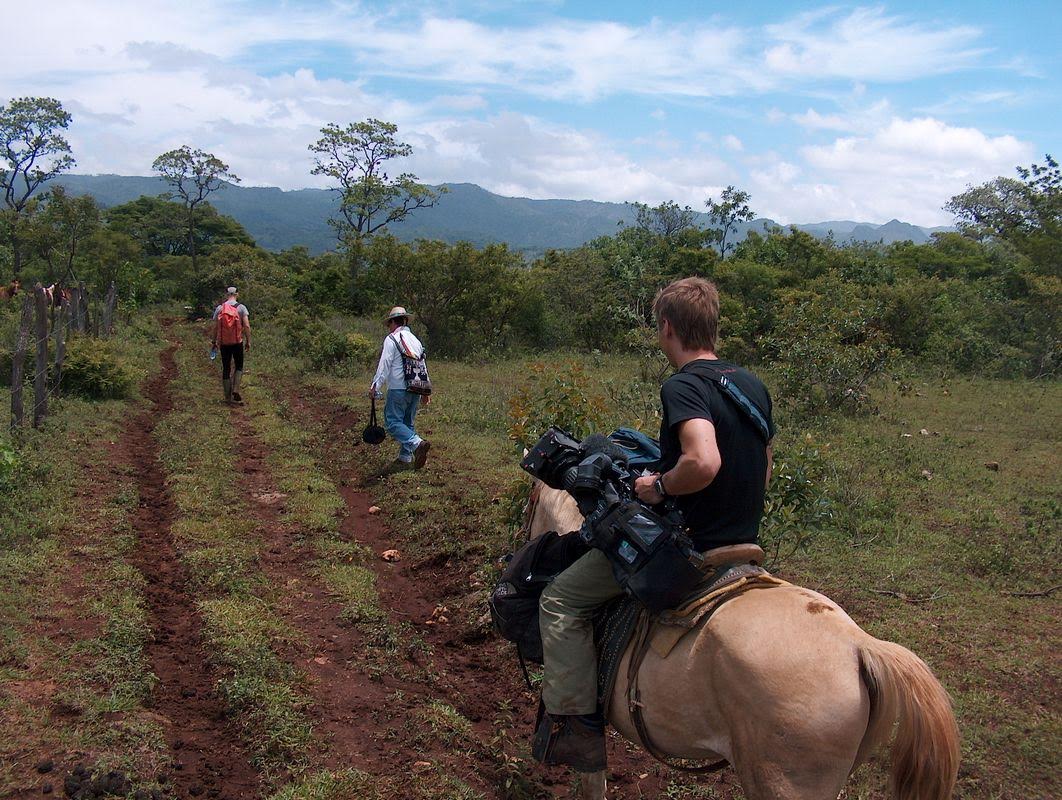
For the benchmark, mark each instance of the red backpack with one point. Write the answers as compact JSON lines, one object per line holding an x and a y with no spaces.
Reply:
{"x":230,"y":326}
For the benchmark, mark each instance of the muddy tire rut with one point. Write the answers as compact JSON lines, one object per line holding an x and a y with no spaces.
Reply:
{"x":207,"y":758}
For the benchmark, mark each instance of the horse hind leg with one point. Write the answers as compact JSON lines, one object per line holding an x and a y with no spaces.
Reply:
{"x":771,"y":782}
{"x":591,"y":786}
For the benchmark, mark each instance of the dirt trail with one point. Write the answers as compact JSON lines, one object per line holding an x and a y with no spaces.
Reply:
{"x":344,"y":697}
{"x":207,"y":757}
{"x":474,"y":674}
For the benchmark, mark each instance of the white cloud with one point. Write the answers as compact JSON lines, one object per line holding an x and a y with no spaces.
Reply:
{"x":868,"y":45}
{"x":732,"y":142}
{"x":851,"y":120}
{"x":247,"y":82}
{"x":522,"y":156}
{"x":908,"y":169}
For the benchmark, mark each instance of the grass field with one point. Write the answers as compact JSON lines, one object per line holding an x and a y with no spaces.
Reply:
{"x":945,"y":534}
{"x":335,"y":674}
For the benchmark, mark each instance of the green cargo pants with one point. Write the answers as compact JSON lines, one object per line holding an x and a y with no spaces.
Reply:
{"x":565,"y":618}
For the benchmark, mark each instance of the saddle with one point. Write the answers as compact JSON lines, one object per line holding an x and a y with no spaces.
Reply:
{"x":729,"y":572}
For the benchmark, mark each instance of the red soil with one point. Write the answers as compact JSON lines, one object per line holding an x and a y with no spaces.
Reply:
{"x":207,"y":756}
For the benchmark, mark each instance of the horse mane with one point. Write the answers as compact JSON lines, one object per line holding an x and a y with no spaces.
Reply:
{"x":551,"y":509}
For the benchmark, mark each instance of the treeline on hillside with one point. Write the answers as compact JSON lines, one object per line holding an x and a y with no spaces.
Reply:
{"x":829,"y":317}
{"x":960,"y":302}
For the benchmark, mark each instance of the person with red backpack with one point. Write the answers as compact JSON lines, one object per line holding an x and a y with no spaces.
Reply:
{"x":232,"y":335}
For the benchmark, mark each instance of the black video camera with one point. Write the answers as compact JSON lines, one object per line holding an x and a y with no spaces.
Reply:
{"x":651,"y":556}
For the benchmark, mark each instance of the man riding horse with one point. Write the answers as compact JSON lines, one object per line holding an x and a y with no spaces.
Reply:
{"x":714,"y":463}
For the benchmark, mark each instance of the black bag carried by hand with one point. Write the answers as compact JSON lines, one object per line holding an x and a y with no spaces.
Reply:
{"x":373,"y":433}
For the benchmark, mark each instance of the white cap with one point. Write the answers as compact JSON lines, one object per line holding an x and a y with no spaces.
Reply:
{"x":231,"y":290}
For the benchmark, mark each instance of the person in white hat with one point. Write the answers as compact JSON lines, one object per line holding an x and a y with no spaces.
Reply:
{"x":400,"y":410}
{"x":232,"y":333}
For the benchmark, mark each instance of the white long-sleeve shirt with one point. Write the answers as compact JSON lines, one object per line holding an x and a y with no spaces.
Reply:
{"x":389,"y":372}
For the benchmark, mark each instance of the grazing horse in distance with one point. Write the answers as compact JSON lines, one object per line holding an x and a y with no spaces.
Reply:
{"x":783,"y":685}
{"x":9,"y":291}
{"x":56,"y":294}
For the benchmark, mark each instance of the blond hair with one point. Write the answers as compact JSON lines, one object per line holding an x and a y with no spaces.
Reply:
{"x":691,"y":305}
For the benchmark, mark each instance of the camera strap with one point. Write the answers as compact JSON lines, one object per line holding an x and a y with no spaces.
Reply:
{"x":741,"y":401}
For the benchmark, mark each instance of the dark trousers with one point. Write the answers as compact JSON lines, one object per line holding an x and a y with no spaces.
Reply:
{"x":229,"y":352}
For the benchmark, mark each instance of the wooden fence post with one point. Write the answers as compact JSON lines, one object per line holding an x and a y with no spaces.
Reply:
{"x":40,"y":377}
{"x":84,"y":310}
{"x":75,"y":308}
{"x":108,"y":309}
{"x":60,"y":343}
{"x":18,"y":359}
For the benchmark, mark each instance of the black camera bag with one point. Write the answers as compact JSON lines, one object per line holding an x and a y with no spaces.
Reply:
{"x":651,"y":557}
{"x":514,"y":600}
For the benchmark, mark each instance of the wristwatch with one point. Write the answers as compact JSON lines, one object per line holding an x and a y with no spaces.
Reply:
{"x":658,"y":484}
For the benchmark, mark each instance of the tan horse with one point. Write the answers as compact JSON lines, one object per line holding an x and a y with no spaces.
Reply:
{"x":787,"y":688}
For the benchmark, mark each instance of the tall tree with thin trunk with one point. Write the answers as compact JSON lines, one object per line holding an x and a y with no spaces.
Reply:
{"x":355,"y":158}
{"x":193,"y":174}
{"x":731,"y":208}
{"x":35,"y":151}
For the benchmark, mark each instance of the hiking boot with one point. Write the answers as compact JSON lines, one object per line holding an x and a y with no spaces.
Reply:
{"x":420,"y":455}
{"x":570,"y":740}
{"x":226,"y":384}
{"x":236,"y":387}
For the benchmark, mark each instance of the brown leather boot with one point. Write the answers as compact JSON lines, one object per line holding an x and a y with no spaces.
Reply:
{"x":569,"y":741}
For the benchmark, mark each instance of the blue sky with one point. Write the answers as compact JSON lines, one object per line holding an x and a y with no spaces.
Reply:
{"x":820,"y":111}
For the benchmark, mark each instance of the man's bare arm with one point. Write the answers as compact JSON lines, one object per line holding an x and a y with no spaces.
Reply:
{"x":700,"y":461}
{"x":697,"y":467}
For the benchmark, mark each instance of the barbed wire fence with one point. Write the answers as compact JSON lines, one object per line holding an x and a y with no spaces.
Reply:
{"x":47,"y":316}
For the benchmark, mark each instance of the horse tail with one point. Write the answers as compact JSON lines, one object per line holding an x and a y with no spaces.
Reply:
{"x":904,"y":693}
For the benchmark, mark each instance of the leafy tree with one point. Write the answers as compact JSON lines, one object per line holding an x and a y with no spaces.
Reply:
{"x":160,"y":227}
{"x":666,"y":220}
{"x":35,"y":152}
{"x":155,"y":223}
{"x":468,"y":300}
{"x":193,"y":174}
{"x":1025,"y":213}
{"x":355,"y":158}
{"x":731,"y":208}
{"x":61,"y":230}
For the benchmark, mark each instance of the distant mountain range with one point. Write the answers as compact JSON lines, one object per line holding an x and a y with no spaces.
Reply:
{"x":281,"y":219}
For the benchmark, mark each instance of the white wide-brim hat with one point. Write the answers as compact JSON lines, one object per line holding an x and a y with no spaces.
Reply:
{"x":397,"y":312}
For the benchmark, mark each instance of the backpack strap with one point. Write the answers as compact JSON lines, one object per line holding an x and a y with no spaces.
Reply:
{"x":408,"y":349}
{"x":741,"y":401}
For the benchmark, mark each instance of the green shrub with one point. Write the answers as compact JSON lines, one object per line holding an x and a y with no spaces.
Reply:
{"x":92,"y":370}
{"x":829,"y":349}
{"x":556,"y":395}
{"x":799,"y":503}
{"x":323,"y":346}
{"x":8,"y":465}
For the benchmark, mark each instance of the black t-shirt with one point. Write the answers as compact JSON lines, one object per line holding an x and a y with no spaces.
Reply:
{"x":728,"y":510}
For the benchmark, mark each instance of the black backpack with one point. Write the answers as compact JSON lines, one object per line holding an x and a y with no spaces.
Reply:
{"x":514,"y":601}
